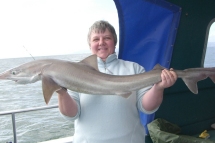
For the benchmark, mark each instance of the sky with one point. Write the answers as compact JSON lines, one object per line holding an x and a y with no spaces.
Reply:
{"x":211,"y":36}
{"x":52,"y":27}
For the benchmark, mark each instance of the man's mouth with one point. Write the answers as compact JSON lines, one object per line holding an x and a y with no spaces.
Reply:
{"x":102,"y":49}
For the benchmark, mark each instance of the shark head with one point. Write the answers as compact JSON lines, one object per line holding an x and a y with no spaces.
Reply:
{"x":26,"y":73}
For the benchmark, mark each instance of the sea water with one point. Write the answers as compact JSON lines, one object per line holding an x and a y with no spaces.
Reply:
{"x":35,"y":126}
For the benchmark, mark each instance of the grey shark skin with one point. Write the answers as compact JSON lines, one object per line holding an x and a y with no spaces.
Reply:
{"x":84,"y":77}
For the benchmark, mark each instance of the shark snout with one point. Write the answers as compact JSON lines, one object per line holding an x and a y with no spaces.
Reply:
{"x":7,"y":76}
{"x":4,"y":75}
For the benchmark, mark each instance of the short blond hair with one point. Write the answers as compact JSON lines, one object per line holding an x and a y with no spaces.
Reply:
{"x":101,"y":26}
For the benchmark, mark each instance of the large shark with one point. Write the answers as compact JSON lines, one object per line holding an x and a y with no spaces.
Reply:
{"x":85,"y":77}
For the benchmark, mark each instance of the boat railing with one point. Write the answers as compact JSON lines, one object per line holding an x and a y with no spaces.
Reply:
{"x":13,"y":112}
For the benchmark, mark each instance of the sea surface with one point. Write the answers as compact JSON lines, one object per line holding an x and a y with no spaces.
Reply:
{"x":37,"y":126}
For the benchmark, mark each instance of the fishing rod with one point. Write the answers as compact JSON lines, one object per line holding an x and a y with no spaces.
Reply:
{"x":28,"y":52}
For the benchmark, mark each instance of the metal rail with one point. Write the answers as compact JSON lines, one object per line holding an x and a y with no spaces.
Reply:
{"x":13,"y":112}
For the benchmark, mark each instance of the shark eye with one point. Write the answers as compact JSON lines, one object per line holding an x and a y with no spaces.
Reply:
{"x":13,"y":72}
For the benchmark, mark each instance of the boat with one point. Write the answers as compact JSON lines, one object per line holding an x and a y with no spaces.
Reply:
{"x":173,"y":33}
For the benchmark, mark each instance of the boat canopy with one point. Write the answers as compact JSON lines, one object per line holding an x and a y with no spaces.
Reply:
{"x":147,"y":31}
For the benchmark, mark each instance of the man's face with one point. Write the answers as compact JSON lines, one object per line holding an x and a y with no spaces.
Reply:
{"x":102,"y":44}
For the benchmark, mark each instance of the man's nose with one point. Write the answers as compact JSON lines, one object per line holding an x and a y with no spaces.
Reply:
{"x":101,"y":41}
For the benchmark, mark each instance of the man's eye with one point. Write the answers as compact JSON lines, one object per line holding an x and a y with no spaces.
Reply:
{"x":107,"y":38}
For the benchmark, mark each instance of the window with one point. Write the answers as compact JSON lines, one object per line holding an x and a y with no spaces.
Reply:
{"x":209,"y":60}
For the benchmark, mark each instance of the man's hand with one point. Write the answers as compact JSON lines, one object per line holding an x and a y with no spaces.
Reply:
{"x":61,"y":91}
{"x":168,"y":78}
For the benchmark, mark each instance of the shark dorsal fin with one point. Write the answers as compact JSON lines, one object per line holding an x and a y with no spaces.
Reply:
{"x":91,"y":61}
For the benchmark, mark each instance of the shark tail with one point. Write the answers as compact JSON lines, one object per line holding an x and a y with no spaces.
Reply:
{"x":192,"y":79}
{"x":212,"y":77}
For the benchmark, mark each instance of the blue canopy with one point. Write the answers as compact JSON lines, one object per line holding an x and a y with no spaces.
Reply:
{"x":147,"y":34}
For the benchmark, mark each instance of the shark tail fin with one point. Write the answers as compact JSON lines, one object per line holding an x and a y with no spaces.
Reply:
{"x":211,"y":73}
{"x":212,"y":77}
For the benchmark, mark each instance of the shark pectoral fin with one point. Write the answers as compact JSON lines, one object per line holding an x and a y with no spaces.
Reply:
{"x":124,"y":94}
{"x":49,"y":87}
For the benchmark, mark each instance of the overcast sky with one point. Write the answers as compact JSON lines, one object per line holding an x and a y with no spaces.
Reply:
{"x":211,"y":37}
{"x":52,"y":27}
